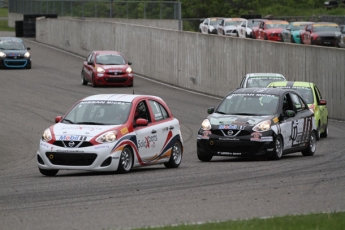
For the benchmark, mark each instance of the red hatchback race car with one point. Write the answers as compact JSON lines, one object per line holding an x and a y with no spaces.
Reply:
{"x":270,"y":30}
{"x":107,"y":68}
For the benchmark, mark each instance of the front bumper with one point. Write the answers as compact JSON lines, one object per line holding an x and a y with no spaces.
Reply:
{"x":12,"y":63}
{"x":243,"y":146}
{"x":94,"y":158}
{"x":114,"y":80}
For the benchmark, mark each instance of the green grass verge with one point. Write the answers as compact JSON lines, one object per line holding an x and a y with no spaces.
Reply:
{"x":322,"y":221}
{"x":4,"y":27}
{"x":3,"y":12}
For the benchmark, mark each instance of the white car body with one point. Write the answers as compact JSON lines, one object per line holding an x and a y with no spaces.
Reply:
{"x":82,"y":145}
{"x":209,"y":25}
{"x":243,"y":30}
{"x":260,"y":80}
{"x":228,"y":26}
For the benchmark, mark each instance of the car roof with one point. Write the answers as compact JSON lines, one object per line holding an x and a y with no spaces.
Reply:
{"x":118,"y":97}
{"x":264,"y":75}
{"x":290,"y":84}
{"x":273,"y":91}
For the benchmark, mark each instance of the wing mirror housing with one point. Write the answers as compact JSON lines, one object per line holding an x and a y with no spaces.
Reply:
{"x":289,"y":113}
{"x":58,"y":119}
{"x":210,"y":110}
{"x":141,"y":122}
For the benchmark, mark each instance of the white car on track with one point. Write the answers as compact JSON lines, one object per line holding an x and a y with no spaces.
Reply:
{"x":260,"y":80}
{"x":111,"y":132}
{"x":245,"y":28}
{"x":228,"y":26}
{"x":209,"y":25}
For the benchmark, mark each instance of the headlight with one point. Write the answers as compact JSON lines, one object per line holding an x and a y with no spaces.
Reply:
{"x":47,"y":135}
{"x":107,"y":137}
{"x":100,"y":70}
{"x":2,"y":54}
{"x":27,"y":54}
{"x":206,"y":125}
{"x":129,"y":70}
{"x":262,"y":126}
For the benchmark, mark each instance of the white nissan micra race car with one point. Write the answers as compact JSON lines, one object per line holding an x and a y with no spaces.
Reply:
{"x":112,"y":132}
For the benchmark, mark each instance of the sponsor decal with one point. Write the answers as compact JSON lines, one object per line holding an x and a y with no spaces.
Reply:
{"x":228,"y":154}
{"x":124,"y":130}
{"x":165,"y":129}
{"x":266,"y":138}
{"x":69,"y":151}
{"x":276,"y":120}
{"x":206,"y":134}
{"x":102,"y":147}
{"x":256,"y":136}
{"x":44,"y":145}
{"x":229,"y":127}
{"x":72,"y":138}
{"x":148,"y":142}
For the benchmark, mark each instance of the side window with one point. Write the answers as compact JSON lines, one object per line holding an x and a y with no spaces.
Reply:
{"x":298,"y":102}
{"x":318,"y":94}
{"x":88,"y":58}
{"x":159,"y":111}
{"x":141,"y":111}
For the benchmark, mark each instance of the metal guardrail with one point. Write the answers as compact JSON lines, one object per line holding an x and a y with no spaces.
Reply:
{"x":99,"y":9}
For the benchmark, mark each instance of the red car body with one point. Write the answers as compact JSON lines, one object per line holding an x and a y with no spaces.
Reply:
{"x":270,"y":30}
{"x":320,"y":33}
{"x":107,"y":68}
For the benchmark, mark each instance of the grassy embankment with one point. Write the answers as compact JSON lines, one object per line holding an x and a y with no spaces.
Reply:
{"x":3,"y":23}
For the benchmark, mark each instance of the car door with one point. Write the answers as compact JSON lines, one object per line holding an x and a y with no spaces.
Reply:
{"x":261,"y":30}
{"x":220,"y":28}
{"x":296,"y":129}
{"x":302,"y":124}
{"x":242,"y":29}
{"x":307,"y":34}
{"x":87,"y":67}
{"x":206,"y":25}
{"x":322,"y":109}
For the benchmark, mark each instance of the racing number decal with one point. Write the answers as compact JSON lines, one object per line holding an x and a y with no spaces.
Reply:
{"x":299,"y":137}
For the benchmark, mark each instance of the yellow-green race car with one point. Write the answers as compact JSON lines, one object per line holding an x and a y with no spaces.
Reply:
{"x":312,"y":96}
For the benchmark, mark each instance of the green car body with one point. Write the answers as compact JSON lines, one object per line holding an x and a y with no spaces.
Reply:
{"x":312,"y":96}
{"x":292,"y":33}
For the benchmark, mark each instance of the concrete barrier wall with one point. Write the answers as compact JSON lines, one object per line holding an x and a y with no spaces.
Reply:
{"x":205,"y":63}
{"x":12,"y":18}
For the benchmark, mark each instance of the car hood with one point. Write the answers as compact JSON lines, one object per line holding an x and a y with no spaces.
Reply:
{"x":274,"y":30}
{"x":237,"y":120}
{"x":79,"y":132}
{"x":14,"y":52}
{"x":110,"y":67}
{"x":230,"y":27}
{"x":327,"y":33}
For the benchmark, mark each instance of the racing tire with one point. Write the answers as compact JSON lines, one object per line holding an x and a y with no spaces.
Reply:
{"x":200,"y":31}
{"x":49,"y":172}
{"x":204,"y":158}
{"x":28,"y":66}
{"x":237,"y":34}
{"x":292,"y":40}
{"x":318,"y":131}
{"x":311,"y":146}
{"x":94,"y":84}
{"x":312,"y":42}
{"x":265,"y":37}
{"x":126,"y":160}
{"x":175,"y":157}
{"x":278,"y":148}
{"x":83,"y":81}
{"x":253,"y":36}
{"x":325,"y":132}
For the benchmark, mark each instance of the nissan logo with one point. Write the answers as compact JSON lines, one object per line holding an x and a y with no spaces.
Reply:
{"x":230,"y":132}
{"x":71,"y":144}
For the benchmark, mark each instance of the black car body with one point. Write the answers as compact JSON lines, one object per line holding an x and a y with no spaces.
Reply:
{"x":258,"y":121}
{"x":14,"y":53}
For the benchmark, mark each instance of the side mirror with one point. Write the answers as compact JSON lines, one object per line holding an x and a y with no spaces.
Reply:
{"x":129,"y":63}
{"x":289,"y":113}
{"x":322,"y":102}
{"x":141,"y":122}
{"x":28,"y":48}
{"x":90,"y":63}
{"x":210,"y":110}
{"x":58,"y":119}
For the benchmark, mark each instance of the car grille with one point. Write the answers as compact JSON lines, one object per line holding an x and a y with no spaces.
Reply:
{"x":71,"y":159}
{"x":224,"y":132}
{"x":15,"y":63}
{"x":116,"y":73}
{"x":225,"y":146}
{"x":328,"y":39}
{"x":76,"y":144}
{"x":115,"y":80}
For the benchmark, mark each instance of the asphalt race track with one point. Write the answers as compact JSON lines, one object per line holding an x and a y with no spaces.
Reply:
{"x":225,"y":188}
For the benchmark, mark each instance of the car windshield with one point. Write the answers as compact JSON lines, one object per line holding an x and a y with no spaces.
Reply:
{"x":262,"y":81}
{"x":99,"y":113}
{"x":215,"y":22}
{"x":110,"y":59}
{"x":252,"y":23}
{"x":298,"y":27}
{"x":11,"y":45}
{"x":277,"y":25}
{"x":306,"y":93}
{"x":326,"y":28}
{"x":249,"y":104}
{"x":232,"y":23}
